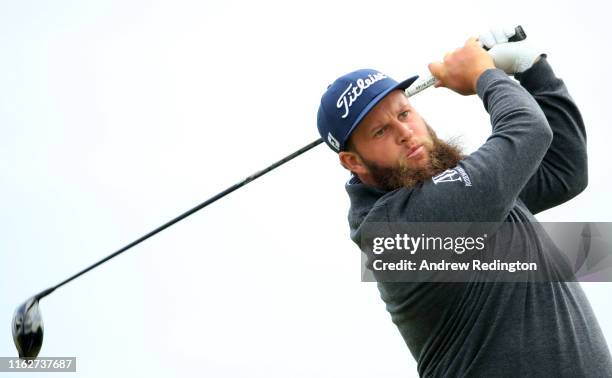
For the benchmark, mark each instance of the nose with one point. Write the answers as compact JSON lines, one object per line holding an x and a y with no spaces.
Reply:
{"x":404,"y":133}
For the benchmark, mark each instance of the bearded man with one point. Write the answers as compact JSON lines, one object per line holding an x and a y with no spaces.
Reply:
{"x":534,"y":159}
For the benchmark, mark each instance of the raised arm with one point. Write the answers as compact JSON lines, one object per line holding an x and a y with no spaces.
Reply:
{"x":563,"y":172}
{"x":486,"y":184}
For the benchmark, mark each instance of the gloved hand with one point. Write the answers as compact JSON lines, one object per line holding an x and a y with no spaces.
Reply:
{"x":511,"y":57}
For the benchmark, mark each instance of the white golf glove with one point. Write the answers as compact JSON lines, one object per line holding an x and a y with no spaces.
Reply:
{"x":511,"y":57}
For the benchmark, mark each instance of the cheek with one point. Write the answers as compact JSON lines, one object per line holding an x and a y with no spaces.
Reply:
{"x":385,"y":154}
{"x":419,"y":128}
{"x":393,"y":155}
{"x":423,"y":135}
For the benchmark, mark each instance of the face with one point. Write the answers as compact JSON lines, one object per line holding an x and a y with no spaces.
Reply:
{"x":393,"y":133}
{"x":392,"y":136}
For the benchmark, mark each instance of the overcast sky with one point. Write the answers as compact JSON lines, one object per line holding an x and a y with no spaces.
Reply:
{"x":116,"y":116}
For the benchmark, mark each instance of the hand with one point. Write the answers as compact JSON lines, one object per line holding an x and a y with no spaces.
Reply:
{"x":462,"y":68}
{"x":512,"y":57}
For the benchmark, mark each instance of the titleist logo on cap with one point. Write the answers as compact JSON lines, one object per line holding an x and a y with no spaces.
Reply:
{"x":352,"y":93}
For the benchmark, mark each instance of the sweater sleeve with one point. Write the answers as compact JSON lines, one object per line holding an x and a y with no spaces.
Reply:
{"x":485,"y":185}
{"x":563,"y":173}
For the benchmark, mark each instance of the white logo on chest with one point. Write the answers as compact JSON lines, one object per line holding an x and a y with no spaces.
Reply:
{"x":451,"y":175}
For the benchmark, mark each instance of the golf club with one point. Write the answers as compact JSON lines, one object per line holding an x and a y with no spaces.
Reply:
{"x":27,"y":325}
{"x":27,"y":322}
{"x":428,"y":80}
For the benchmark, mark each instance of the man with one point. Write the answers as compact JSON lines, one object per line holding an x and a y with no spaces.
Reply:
{"x":534,"y":159}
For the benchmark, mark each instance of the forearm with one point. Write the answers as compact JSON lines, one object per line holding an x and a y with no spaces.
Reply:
{"x":497,"y":171}
{"x":564,"y":170}
{"x":519,"y":140}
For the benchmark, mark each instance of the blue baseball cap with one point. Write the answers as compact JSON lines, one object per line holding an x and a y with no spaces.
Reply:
{"x":348,"y":100}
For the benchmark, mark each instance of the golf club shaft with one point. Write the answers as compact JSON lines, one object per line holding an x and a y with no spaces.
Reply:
{"x":414,"y":89}
{"x":184,"y":215}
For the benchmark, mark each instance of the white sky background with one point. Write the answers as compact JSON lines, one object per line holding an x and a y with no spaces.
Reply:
{"x":116,"y":116}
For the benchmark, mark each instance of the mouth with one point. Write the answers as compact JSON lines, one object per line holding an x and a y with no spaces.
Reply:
{"x":415,"y":151}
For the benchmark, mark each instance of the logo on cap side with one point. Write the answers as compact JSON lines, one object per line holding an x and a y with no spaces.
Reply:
{"x":333,"y":141}
{"x":352,"y":93}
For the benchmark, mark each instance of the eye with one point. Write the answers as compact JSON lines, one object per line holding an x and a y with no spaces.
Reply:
{"x":380,"y":132}
{"x":404,"y":114}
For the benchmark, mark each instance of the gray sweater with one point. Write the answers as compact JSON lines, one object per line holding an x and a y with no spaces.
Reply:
{"x":534,"y":159}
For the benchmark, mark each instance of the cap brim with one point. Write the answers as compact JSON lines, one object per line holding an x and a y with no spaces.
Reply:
{"x":401,"y":85}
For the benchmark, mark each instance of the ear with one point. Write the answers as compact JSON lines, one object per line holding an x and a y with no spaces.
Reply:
{"x":352,"y":162}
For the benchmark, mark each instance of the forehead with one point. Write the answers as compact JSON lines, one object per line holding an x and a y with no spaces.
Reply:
{"x":391,"y":103}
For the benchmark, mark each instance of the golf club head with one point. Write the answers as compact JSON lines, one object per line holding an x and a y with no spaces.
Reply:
{"x":28,"y":329}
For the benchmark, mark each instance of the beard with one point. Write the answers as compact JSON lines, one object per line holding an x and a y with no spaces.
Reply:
{"x":442,"y":156}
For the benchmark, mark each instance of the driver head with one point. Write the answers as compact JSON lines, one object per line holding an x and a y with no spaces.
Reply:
{"x":28,"y":329}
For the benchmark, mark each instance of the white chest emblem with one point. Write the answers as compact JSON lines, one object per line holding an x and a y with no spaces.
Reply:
{"x":451,"y":175}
